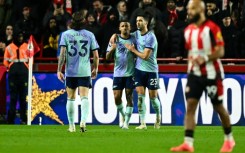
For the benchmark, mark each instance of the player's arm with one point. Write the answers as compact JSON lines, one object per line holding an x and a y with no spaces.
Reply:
{"x":110,"y":53}
{"x":113,"y":39}
{"x":61,"y":62}
{"x":218,"y":53}
{"x":95,"y":64}
{"x":144,"y":55}
{"x":111,"y":47}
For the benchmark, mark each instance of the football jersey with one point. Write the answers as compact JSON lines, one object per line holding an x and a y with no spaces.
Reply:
{"x":200,"y":41}
{"x":78,"y":45}
{"x":148,"y":40}
{"x":124,"y":59}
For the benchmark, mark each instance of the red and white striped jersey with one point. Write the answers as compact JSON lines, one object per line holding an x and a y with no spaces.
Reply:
{"x":200,"y":41}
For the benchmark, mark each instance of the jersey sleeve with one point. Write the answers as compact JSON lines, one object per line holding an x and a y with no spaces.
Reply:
{"x":62,"y":40}
{"x":217,"y":36}
{"x":108,"y":47}
{"x":94,"y":44}
{"x":150,"y":42}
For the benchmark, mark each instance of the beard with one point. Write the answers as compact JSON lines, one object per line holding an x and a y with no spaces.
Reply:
{"x":139,"y":28}
{"x":195,"y":18}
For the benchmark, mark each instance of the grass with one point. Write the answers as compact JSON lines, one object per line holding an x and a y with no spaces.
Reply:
{"x":110,"y":139}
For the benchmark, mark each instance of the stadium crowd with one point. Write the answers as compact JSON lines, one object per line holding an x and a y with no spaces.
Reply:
{"x":46,"y":19}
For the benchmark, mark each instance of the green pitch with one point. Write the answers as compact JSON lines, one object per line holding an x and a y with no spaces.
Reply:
{"x":110,"y":139}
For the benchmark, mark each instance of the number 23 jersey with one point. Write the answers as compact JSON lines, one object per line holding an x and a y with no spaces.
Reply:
{"x":78,"y":45}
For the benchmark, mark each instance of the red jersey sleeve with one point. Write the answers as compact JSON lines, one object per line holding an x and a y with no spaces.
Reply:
{"x":218,"y":38}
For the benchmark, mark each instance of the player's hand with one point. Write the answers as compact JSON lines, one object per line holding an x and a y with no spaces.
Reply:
{"x":130,"y":47}
{"x":199,"y":60}
{"x":61,"y":77}
{"x":94,"y":74}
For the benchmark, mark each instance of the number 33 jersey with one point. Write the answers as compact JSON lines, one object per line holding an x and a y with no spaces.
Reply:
{"x":78,"y":45}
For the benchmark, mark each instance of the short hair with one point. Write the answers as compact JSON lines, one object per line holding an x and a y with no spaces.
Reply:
{"x":77,"y":21}
{"x":124,"y":20}
{"x":98,"y":0}
{"x":145,"y":15}
{"x":121,"y":1}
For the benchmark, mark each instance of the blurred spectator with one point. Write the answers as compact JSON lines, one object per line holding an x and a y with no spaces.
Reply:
{"x":229,"y":33}
{"x":68,"y":25}
{"x":93,"y":26}
{"x":213,"y":12}
{"x":26,"y":24}
{"x":232,"y":5}
{"x":100,"y":11}
{"x":177,"y":37}
{"x":160,"y":32}
{"x":143,"y":6}
{"x":108,"y":30}
{"x":77,"y":5}
{"x":6,"y":39}
{"x":59,"y":13}
{"x":235,"y":17}
{"x":170,"y":16}
{"x":122,"y":10}
{"x":181,"y":5}
{"x":50,"y":39}
{"x":5,"y":13}
{"x":91,"y":23}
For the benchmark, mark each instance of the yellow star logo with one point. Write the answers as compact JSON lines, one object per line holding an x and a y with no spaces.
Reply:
{"x":41,"y":102}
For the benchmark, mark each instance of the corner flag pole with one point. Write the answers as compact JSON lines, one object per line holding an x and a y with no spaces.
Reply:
{"x":29,"y":91}
{"x":32,"y":48}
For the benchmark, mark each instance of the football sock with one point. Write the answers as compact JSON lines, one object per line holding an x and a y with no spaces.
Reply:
{"x":156,"y":105}
{"x":129,"y":111}
{"x":141,"y":107}
{"x":84,"y":109}
{"x":189,"y":137}
{"x":70,"y":107}
{"x":189,"y":141}
{"x":120,"y":109}
{"x":228,"y":133}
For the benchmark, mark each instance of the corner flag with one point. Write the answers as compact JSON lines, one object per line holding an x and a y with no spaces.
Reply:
{"x":32,"y":49}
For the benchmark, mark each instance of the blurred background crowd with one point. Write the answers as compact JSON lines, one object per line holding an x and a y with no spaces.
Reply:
{"x":47,"y":19}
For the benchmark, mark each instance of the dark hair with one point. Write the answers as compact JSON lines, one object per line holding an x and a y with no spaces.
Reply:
{"x":78,"y":19}
{"x":98,"y":0}
{"x":147,"y":17}
{"x":124,"y":20}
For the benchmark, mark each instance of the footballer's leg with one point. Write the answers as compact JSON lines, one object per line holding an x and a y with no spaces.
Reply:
{"x":156,"y":106}
{"x":83,"y":91}
{"x":118,"y":86}
{"x":129,"y":108}
{"x":70,"y":108}
{"x":217,"y":101}
{"x":229,"y":141}
{"x":141,"y":107}
{"x":193,"y":92}
{"x":119,"y":105}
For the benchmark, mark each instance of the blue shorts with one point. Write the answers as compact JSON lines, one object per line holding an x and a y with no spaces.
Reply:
{"x":119,"y":83}
{"x":146,"y":79}
{"x":74,"y":82}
